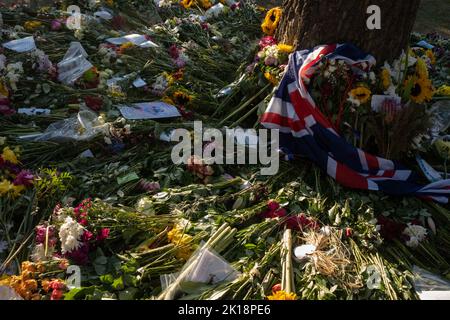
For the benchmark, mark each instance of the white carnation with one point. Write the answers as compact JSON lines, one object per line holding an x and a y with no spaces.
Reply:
{"x":416,"y":235}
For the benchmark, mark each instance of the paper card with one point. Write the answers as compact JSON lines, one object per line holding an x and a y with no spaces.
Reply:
{"x":34,"y":111}
{"x":21,"y":45}
{"x":136,"y":39}
{"x":434,"y":295}
{"x":139,"y":82}
{"x":149,"y":110}
{"x":386,"y":103}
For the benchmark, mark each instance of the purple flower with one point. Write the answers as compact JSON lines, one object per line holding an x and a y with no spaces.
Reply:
{"x":24,"y":178}
{"x":80,"y":256}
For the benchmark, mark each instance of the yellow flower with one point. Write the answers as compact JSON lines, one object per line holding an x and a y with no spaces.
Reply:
{"x":386,"y":78}
{"x":421,"y":69}
{"x":4,"y":89}
{"x":421,"y":90}
{"x":30,"y":26}
{"x":271,"y":21}
{"x":168,"y":100}
{"x":443,"y":90}
{"x":181,"y":98}
{"x":109,"y":2}
{"x":430,"y":54}
{"x":271,"y":78}
{"x":187,"y":3}
{"x":9,"y":155}
{"x":125,"y":46}
{"x":285,"y":48}
{"x":282,"y":295}
{"x":362,"y":94}
{"x":182,"y":241}
{"x":17,"y":190}
{"x":6,"y":187}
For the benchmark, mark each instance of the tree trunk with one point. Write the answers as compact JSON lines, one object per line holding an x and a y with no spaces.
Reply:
{"x":307,"y":23}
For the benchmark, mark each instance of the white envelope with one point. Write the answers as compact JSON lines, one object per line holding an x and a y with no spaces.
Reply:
{"x":149,"y":110}
{"x":21,"y":45}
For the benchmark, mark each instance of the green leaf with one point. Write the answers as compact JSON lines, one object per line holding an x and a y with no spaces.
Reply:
{"x":101,"y":260}
{"x":118,"y":284}
{"x":78,"y":293}
{"x":107,"y":279}
{"x":128,"y":294}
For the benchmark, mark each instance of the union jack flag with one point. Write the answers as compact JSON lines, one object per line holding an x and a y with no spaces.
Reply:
{"x":304,"y":130}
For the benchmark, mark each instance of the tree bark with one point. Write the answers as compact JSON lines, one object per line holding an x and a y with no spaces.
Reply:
{"x":307,"y":23}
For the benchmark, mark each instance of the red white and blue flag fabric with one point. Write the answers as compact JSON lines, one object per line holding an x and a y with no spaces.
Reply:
{"x":304,"y":130}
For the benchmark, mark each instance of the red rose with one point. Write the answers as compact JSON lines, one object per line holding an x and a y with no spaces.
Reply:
{"x":94,"y":103}
{"x":276,"y":288}
{"x":348,"y":232}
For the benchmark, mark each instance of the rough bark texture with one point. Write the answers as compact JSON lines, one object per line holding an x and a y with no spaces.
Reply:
{"x":307,"y":23}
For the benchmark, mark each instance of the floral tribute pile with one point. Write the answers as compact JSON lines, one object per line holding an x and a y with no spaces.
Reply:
{"x":92,"y":206}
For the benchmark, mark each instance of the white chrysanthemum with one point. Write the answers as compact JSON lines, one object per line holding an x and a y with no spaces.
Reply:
{"x":165,"y":3}
{"x":69,"y":235}
{"x":416,"y":234}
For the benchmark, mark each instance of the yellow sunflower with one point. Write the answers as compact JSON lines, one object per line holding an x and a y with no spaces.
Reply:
{"x":431,"y":56}
{"x":421,"y":90}
{"x":386,"y":78}
{"x":285,"y":48}
{"x":282,"y":295}
{"x":362,"y":94}
{"x":187,"y":3}
{"x":421,"y":69}
{"x":168,"y":100}
{"x":271,"y":21}
{"x":181,"y":98}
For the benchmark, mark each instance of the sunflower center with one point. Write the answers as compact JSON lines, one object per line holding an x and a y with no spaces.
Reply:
{"x":416,"y":90}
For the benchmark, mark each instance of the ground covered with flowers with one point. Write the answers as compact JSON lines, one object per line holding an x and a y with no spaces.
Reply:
{"x":92,"y":206}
